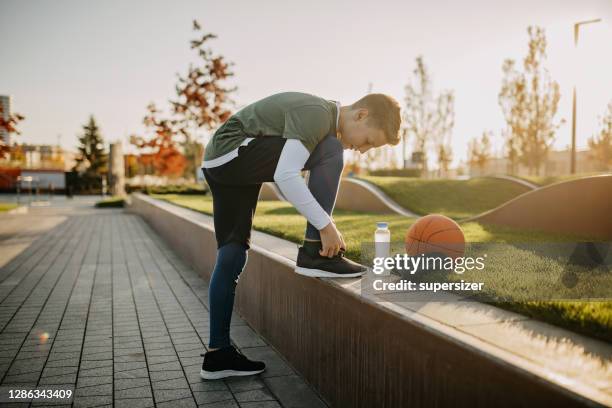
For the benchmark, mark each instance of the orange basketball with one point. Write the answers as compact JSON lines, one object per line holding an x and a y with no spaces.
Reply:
{"x":435,"y":233}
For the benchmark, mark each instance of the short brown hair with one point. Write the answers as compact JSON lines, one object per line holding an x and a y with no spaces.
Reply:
{"x":383,"y":114}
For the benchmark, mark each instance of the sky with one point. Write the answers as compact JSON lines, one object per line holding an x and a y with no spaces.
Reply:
{"x":64,"y":60}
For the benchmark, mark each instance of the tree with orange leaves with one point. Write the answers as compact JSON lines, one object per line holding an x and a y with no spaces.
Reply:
{"x":166,"y":157}
{"x":9,"y":125}
{"x":202,"y":98}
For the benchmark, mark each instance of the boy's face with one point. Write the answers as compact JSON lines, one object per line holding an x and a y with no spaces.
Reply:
{"x":357,"y":135}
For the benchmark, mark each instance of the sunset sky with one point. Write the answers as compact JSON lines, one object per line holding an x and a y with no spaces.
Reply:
{"x":62,"y":60}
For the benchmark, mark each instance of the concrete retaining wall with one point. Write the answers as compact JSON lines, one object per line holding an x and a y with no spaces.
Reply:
{"x":582,"y":206}
{"x":359,"y":195}
{"x":357,"y":353}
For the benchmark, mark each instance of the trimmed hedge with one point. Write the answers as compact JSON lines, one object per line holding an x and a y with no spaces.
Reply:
{"x":198,"y":189}
{"x":113,"y":202}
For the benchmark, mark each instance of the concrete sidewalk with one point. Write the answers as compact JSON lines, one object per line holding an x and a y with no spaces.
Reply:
{"x":96,"y":302}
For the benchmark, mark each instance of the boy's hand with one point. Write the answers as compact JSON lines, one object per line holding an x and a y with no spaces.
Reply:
{"x":331,"y":240}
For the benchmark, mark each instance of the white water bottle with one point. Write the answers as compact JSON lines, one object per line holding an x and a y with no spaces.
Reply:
{"x":382,"y":243}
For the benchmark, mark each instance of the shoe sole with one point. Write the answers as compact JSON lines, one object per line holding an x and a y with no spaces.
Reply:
{"x":216,"y":375}
{"x":318,"y":273}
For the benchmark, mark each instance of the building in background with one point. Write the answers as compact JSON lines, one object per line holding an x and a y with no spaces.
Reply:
{"x":37,"y":167}
{"x":31,"y":156}
{"x":69,"y":160}
{"x":557,"y":164}
{"x":13,"y":179}
{"x":47,"y":180}
{"x":5,"y":103}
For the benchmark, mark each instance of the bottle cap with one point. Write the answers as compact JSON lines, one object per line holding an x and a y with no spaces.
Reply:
{"x":382,"y":224}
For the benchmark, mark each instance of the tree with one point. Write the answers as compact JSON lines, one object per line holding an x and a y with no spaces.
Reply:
{"x":404,"y":132}
{"x":529,"y":102}
{"x":427,"y":117}
{"x":601,"y":143}
{"x":8,"y":123}
{"x":165,"y":156}
{"x":480,"y":151}
{"x":202,"y":98}
{"x":511,"y":151}
{"x":445,"y":157}
{"x":92,"y":160}
{"x":374,"y":159}
{"x":442,"y":136}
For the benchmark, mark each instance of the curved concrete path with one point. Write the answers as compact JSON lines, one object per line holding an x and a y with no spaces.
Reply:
{"x":359,"y":195}
{"x":581,"y":206}
{"x":517,"y":180}
{"x":353,"y":195}
{"x":269,"y":192}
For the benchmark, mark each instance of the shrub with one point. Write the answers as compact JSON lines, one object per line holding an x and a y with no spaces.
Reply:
{"x":170,"y":189}
{"x":113,"y":202}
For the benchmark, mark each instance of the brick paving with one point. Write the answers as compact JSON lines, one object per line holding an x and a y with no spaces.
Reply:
{"x":99,"y":304}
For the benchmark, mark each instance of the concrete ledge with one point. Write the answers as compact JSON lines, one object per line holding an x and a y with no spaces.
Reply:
{"x":368,"y":352}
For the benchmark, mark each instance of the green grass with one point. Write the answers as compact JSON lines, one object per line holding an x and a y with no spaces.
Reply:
{"x":519,"y":278}
{"x":113,"y":202}
{"x":591,"y":318}
{"x":546,"y":180}
{"x":454,"y":198}
{"x":279,"y":218}
{"x":7,"y":206}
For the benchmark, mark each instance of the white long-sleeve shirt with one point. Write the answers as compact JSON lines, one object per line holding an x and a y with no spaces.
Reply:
{"x":287,"y":177}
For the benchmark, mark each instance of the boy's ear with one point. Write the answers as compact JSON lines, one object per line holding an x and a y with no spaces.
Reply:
{"x":362,"y":113}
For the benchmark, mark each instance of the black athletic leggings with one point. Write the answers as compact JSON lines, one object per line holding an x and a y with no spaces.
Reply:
{"x":235,"y":189}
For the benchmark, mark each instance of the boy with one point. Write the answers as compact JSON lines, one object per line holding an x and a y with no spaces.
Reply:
{"x":273,"y":139}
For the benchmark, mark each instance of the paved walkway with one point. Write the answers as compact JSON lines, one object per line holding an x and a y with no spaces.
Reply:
{"x":99,"y":304}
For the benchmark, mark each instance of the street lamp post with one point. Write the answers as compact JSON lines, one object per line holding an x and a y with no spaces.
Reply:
{"x":573,"y":158}
{"x":404,"y":148}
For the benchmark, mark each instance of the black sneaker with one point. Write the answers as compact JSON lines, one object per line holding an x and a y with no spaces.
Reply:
{"x":228,"y":362}
{"x":324,"y":267}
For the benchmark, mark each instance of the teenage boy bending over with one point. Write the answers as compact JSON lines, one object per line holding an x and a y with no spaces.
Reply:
{"x":274,"y":139}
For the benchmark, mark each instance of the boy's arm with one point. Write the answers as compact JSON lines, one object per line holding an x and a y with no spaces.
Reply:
{"x":289,"y":180}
